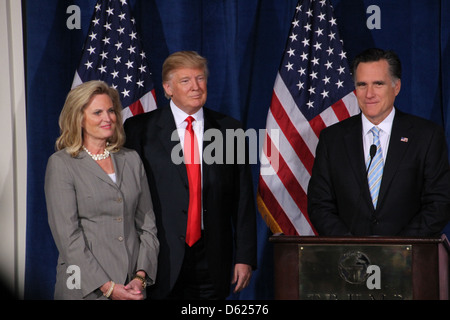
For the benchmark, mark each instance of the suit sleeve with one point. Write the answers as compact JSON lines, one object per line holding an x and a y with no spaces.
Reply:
{"x":245,"y":218}
{"x":322,"y":205}
{"x":146,"y":228}
{"x":435,"y":209}
{"x":63,"y":218}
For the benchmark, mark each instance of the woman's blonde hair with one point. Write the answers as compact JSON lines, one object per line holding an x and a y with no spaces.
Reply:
{"x":182,"y":59}
{"x":72,"y":115}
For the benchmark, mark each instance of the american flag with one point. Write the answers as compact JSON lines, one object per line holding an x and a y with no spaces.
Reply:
{"x":313,"y":89}
{"x":112,"y":53}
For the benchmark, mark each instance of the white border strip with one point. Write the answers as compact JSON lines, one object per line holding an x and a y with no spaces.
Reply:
{"x":13,"y":159}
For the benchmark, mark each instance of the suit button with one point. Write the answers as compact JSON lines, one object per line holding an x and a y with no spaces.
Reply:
{"x":182,"y":238}
{"x":120,"y":238}
{"x":119,"y":200}
{"x":119,"y":219}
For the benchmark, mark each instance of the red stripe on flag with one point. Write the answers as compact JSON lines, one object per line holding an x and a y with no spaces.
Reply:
{"x":275,"y":209}
{"x":136,"y":108}
{"x":340,"y":110}
{"x":291,"y":133}
{"x":317,"y":125}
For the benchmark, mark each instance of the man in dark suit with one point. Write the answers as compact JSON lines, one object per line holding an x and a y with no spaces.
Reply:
{"x":202,"y":270}
{"x":408,"y":163}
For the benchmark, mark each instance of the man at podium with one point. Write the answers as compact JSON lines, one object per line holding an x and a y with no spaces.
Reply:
{"x":381,"y":172}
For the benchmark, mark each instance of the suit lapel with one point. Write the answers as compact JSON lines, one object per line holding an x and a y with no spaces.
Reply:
{"x":167,"y":127}
{"x":401,"y":135}
{"x":94,"y":168}
{"x":209,"y":123}
{"x":355,"y":152}
{"x":118,"y":162}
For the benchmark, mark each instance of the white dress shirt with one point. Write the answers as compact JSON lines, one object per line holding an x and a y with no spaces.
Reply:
{"x":385,"y":134}
{"x":181,"y":123}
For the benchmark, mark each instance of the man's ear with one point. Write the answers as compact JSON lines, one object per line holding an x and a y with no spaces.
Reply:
{"x":167,"y":88}
{"x":398,"y":84}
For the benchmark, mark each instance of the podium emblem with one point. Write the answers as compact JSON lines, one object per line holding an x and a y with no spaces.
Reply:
{"x":352,"y":267}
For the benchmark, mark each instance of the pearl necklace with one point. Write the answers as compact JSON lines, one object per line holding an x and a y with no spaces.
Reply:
{"x":96,"y":157}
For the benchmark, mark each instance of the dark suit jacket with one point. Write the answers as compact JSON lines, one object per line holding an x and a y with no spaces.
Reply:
{"x":414,"y":198}
{"x":228,"y":204}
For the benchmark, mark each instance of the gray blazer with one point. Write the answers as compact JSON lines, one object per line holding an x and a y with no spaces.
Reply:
{"x":105,"y":229}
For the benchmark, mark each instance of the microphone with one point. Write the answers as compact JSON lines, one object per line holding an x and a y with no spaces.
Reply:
{"x":373,"y":150}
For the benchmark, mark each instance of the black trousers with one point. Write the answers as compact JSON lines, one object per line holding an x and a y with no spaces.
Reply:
{"x":194,"y":281}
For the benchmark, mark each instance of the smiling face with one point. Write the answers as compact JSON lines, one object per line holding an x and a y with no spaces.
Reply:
{"x":99,"y":121}
{"x":375,"y":90}
{"x":187,"y":89}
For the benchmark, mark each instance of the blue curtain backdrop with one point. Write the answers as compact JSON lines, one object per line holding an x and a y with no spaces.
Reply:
{"x":243,"y":41}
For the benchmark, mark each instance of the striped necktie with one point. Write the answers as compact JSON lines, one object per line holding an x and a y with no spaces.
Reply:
{"x":376,"y":169}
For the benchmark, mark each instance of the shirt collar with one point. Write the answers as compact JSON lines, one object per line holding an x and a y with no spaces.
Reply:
{"x":385,"y":125}
{"x":180,"y":116}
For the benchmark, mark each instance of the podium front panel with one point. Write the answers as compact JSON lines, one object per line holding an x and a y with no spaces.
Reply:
{"x":355,"y":272}
{"x":310,"y":267}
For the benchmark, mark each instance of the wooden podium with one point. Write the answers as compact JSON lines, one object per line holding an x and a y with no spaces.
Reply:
{"x":360,"y":268}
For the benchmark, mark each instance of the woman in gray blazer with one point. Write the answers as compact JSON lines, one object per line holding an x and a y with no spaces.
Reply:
{"x":98,"y":200}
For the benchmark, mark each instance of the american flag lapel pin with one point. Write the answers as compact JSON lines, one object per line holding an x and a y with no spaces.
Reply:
{"x":404,"y":139}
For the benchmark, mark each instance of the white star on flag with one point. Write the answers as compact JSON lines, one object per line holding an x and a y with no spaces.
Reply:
{"x":128,"y":71}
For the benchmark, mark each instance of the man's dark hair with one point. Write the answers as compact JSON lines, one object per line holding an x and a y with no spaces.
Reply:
{"x":375,"y":54}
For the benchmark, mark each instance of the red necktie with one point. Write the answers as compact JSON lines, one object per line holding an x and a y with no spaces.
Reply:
{"x":192,"y":160}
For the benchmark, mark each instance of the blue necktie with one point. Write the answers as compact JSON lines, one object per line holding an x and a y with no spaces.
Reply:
{"x":376,"y":168}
